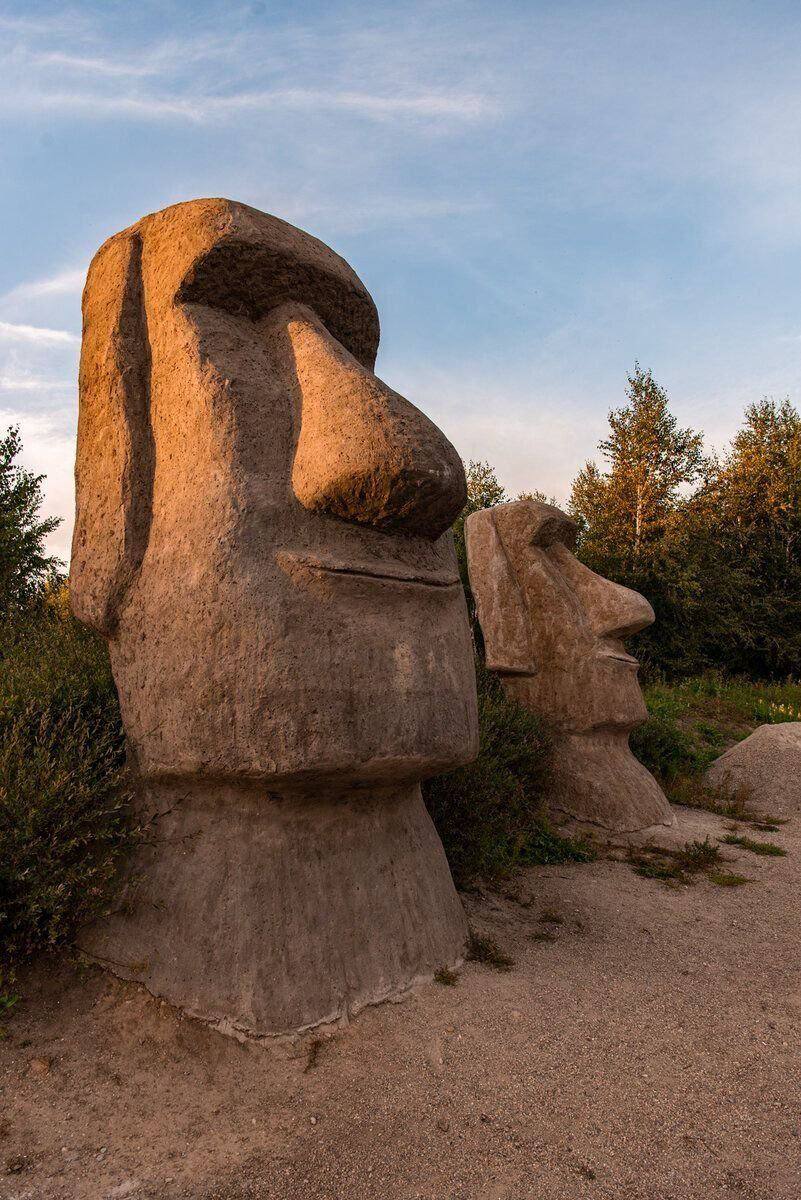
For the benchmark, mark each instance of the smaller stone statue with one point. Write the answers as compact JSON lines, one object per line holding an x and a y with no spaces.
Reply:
{"x":554,"y":631}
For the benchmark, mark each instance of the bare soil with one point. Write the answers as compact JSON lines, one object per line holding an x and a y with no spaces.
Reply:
{"x":644,"y":1045}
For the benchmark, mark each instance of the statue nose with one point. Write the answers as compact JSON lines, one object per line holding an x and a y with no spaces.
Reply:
{"x":364,"y":453}
{"x":619,"y":612}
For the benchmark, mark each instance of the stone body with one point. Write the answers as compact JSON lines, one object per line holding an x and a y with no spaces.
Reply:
{"x":262,"y":535}
{"x":554,"y":632}
{"x":765,"y":769}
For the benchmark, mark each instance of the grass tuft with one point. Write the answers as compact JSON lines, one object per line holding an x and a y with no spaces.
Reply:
{"x":727,"y":879}
{"x":675,"y":868}
{"x":698,"y":856}
{"x":446,"y":977}
{"x":769,"y":849}
{"x":484,"y":949}
{"x":549,"y":916}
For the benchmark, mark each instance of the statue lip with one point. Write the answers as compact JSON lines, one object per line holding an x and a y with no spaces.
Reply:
{"x":380,"y":572}
{"x":609,"y":649}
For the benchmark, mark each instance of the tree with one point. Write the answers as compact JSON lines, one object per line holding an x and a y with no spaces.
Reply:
{"x":484,"y":489}
{"x":24,"y":565}
{"x":622,"y":513}
{"x":632,"y":516}
{"x":746,"y":519}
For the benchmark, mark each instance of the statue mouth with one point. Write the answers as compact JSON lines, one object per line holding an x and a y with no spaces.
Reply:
{"x":378,"y":572}
{"x":611,"y":649}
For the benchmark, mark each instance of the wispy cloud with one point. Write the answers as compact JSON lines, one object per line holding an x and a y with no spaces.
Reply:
{"x":316,"y":211}
{"x":62,"y":284}
{"x":62,"y":23}
{"x":465,"y":107}
{"x":99,"y":66}
{"x":427,"y":105}
{"x":33,"y":383}
{"x":35,"y":333}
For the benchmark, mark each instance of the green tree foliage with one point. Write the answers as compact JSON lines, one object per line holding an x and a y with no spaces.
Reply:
{"x":715,"y":543}
{"x":65,"y":817}
{"x":24,"y":565}
{"x":626,"y":511}
{"x":489,"y":813}
{"x":745,"y":528}
{"x":632,"y":517}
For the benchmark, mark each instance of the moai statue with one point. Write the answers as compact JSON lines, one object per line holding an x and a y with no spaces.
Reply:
{"x":263,"y":537}
{"x":554,"y":632}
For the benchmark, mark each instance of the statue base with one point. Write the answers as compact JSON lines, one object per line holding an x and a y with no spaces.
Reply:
{"x":266,"y":915}
{"x":597,"y":779}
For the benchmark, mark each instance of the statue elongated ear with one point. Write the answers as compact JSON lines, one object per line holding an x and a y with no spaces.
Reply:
{"x":499,"y":603}
{"x":114,"y":464}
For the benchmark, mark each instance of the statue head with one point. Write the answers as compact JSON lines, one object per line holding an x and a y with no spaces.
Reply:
{"x":263,"y":526}
{"x":551,"y":622}
{"x":555,"y":632}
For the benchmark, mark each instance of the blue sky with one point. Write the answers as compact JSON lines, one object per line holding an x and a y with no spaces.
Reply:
{"x":536,"y":194}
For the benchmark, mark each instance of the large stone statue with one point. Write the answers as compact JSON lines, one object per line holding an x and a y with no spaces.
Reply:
{"x":262,"y":535}
{"x":554,"y":632}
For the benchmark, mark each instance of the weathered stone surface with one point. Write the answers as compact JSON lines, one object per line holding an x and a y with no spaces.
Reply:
{"x":284,"y":620}
{"x":765,"y":769}
{"x":277,"y":913}
{"x":364,"y":453}
{"x":554,"y":632}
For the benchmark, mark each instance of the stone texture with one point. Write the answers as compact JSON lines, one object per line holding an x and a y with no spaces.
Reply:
{"x":765,"y":769}
{"x":278,"y":913}
{"x":284,"y":617}
{"x":365,"y":453}
{"x":554,"y":632}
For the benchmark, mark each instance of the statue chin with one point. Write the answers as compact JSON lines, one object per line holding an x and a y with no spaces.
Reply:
{"x":597,"y":779}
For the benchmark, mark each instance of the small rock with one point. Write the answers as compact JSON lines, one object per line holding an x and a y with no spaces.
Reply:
{"x":18,"y":1163}
{"x":40,"y":1066}
{"x":313,"y":1120}
{"x":443,"y":1124}
{"x":126,"y":1188}
{"x":764,"y":768}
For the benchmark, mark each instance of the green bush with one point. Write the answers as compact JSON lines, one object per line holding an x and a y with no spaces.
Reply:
{"x":64,"y":806}
{"x":489,"y":813}
{"x":663,"y":746}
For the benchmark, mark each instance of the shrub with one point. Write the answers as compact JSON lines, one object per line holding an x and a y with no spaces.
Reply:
{"x":64,"y":805}
{"x":489,"y":813}
{"x":663,"y":746}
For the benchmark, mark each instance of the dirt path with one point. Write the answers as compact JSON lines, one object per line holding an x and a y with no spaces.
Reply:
{"x":651,"y":1051}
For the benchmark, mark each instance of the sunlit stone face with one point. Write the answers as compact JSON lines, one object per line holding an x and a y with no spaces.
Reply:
{"x":560,"y":632}
{"x":555,"y":632}
{"x":263,"y":527}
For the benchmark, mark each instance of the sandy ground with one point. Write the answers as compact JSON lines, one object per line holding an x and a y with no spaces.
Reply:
{"x":651,"y":1050}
